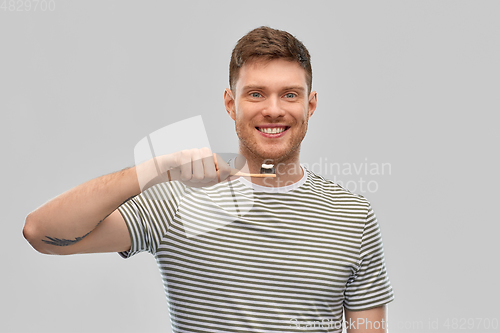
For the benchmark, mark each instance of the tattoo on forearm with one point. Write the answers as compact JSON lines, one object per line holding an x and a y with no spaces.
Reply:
{"x":65,"y":242}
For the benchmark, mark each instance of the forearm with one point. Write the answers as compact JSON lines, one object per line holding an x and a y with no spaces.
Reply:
{"x":367,"y":321}
{"x":71,"y":216}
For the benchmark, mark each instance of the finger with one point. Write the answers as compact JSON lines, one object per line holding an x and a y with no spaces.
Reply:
{"x":209,"y":168}
{"x":197,"y":166}
{"x":185,"y":165}
{"x":169,"y":166}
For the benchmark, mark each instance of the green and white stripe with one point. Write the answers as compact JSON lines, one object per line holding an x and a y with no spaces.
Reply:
{"x":236,"y":257}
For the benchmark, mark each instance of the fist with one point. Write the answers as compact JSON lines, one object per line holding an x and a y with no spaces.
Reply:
{"x":194,"y":167}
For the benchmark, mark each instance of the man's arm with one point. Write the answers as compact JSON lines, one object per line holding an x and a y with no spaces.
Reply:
{"x":85,"y":219}
{"x":367,"y":321}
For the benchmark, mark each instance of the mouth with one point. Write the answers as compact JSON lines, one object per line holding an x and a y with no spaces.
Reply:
{"x":272,"y":130}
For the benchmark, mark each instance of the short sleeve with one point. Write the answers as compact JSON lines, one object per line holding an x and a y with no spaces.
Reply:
{"x":369,"y":285}
{"x":148,"y":216}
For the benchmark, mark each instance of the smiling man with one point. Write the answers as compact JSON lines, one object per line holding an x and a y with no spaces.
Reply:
{"x":271,"y":106}
{"x":286,"y":254}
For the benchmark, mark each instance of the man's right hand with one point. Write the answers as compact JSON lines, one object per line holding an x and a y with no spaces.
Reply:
{"x":197,"y":167}
{"x":193,"y":167}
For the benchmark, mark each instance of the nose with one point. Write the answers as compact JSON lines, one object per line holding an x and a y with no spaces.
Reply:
{"x":272,"y":108}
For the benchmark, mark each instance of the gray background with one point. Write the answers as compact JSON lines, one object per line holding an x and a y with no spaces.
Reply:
{"x":411,"y":83}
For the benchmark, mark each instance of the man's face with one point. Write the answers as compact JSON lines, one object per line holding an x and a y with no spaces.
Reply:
{"x":271,"y":109}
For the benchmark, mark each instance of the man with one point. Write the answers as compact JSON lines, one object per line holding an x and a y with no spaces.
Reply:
{"x":284,"y":254}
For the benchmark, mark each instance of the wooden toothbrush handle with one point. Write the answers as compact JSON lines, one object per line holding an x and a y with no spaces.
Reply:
{"x":236,"y":172}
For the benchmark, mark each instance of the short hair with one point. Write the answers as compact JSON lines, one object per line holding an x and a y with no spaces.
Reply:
{"x":267,"y":43}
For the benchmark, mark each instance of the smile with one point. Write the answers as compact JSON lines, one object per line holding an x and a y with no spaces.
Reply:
{"x":272,"y":130}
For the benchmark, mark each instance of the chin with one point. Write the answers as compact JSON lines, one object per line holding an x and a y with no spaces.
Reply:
{"x":277,"y":156}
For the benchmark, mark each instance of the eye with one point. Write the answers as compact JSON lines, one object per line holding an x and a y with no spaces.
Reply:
{"x":290,"y":95}
{"x":255,"y":94}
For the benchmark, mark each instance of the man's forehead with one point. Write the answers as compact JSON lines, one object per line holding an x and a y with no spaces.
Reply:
{"x":262,"y":63}
{"x":260,"y":72}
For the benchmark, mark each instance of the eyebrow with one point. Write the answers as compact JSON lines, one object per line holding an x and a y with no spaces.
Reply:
{"x":250,"y":87}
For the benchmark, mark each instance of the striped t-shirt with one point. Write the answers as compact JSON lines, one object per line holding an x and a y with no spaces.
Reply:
{"x":239,"y":257}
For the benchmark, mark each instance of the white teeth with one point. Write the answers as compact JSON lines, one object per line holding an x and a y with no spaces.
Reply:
{"x":271,"y":130}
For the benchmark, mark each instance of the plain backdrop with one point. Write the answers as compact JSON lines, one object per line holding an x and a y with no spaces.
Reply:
{"x":411,"y":86}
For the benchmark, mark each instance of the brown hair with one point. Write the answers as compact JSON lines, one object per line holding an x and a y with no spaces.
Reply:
{"x":267,"y":43}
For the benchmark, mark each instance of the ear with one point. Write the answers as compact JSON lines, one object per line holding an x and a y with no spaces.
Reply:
{"x":313,"y":101}
{"x":229,"y":103}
